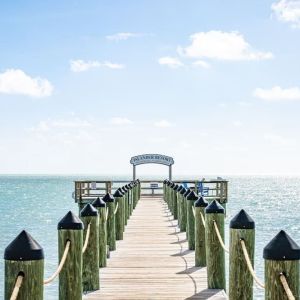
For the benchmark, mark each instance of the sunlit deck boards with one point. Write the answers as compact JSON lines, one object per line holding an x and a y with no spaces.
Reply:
{"x":152,"y":262}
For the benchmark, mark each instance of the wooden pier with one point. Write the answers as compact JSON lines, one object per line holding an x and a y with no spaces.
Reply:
{"x":152,"y":262}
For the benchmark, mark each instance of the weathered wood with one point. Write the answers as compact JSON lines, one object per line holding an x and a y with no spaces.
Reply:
{"x":215,"y":256}
{"x":90,"y":257}
{"x":240,"y":279}
{"x":111,"y":227}
{"x":200,"y":251}
{"x":191,"y":198}
{"x":24,"y":256}
{"x":281,"y":255}
{"x":153,"y":261}
{"x":70,"y":228}
{"x":100,"y":205}
{"x":119,"y":216}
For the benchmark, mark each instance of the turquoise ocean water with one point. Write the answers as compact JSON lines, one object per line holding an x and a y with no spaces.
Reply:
{"x":37,"y":203}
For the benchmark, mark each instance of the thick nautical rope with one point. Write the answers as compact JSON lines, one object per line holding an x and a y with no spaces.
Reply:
{"x":86,"y":242}
{"x":202,"y":219}
{"x":116,"y":209}
{"x":61,"y":264}
{"x":286,"y":287}
{"x":193,"y":209}
{"x":249,"y":265}
{"x":17,"y":287}
{"x":106,"y":215}
{"x":219,"y":237}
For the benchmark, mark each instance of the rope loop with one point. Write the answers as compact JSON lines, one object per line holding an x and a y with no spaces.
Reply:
{"x":193,"y":209}
{"x":61,"y":264}
{"x":249,"y":264}
{"x":86,"y":242}
{"x":219,"y":237}
{"x":202,"y":219}
{"x":116,"y":209}
{"x":17,"y":286}
{"x":106,"y":214}
{"x":286,"y":286}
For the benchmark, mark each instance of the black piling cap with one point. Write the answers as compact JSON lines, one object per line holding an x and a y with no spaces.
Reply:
{"x":192,"y":196}
{"x":175,"y":187}
{"x":180,"y":187}
{"x":70,"y":221}
{"x":282,"y":247}
{"x":242,"y":221}
{"x":214,"y":208}
{"x":118,"y":193}
{"x":182,"y":191}
{"x":89,"y":211}
{"x":165,"y":181}
{"x":172,"y":185}
{"x":127,"y":186}
{"x":124,"y":189}
{"x":187,"y":192}
{"x":98,"y":203}
{"x":24,"y":247}
{"x":108,"y":198}
{"x":169,"y":183}
{"x":201,"y":202}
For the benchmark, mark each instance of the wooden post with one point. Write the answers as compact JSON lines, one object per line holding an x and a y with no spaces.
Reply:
{"x":70,"y":228}
{"x":90,"y":259}
{"x":119,"y":200}
{"x":200,"y":251}
{"x":281,"y":256}
{"x":215,"y":256}
{"x":128,"y":186}
{"x":111,"y":225}
{"x":24,"y":256}
{"x":191,"y":198}
{"x":169,"y":194}
{"x":174,"y":202}
{"x":100,"y":205}
{"x":135,"y":194}
{"x":184,"y":225}
{"x":164,"y":189}
{"x":124,"y":190}
{"x":178,"y":196}
{"x":242,"y":227}
{"x":182,"y":215}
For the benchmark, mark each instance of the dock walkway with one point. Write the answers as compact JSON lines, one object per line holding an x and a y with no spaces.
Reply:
{"x":152,"y":262}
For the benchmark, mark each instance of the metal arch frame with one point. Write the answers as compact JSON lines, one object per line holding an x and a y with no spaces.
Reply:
{"x":152,"y":159}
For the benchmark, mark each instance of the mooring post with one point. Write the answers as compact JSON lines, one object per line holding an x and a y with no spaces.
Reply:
{"x":282,"y":257}
{"x":119,"y":200}
{"x":139,"y":189}
{"x":200,"y":251}
{"x":174,"y":199}
{"x":182,"y":215}
{"x":242,"y":228}
{"x":90,"y":259}
{"x":169,"y":184}
{"x":191,"y":198}
{"x":129,"y":188}
{"x":100,"y":205}
{"x":135,"y":194}
{"x":164,"y":189}
{"x":124,"y":190}
{"x":215,"y":256}
{"x":180,"y":187}
{"x":24,"y":260}
{"x":184,"y":224}
{"x":111,"y":224}
{"x":70,"y":228}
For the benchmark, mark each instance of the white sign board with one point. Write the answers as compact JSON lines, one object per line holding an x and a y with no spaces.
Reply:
{"x":152,"y":159}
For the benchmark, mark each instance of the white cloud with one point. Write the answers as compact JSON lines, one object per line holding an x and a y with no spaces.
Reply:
{"x":201,"y":63}
{"x":222,"y":46}
{"x":122,"y":36}
{"x":80,"y":65}
{"x":237,"y":123}
{"x":279,"y":140}
{"x":17,"y":82}
{"x":171,"y":62}
{"x":120,"y":121}
{"x":163,"y":124}
{"x":287,"y":11}
{"x":276,"y":94}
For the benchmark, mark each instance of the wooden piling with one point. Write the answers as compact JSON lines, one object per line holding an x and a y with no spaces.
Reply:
{"x":184,"y":223}
{"x":191,"y":198}
{"x":70,"y":228}
{"x":90,"y":257}
{"x":178,"y":196}
{"x":119,"y":216}
{"x":281,"y":256}
{"x":24,"y":257}
{"x":100,"y":205}
{"x":215,"y":256}
{"x":110,"y":224}
{"x":124,"y":190}
{"x":200,"y":251}
{"x":174,"y":202}
{"x":242,"y":227}
{"x":182,"y":215}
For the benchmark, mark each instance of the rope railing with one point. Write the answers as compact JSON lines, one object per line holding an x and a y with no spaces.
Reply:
{"x":193,"y":208}
{"x":106,"y":213}
{"x":86,"y":242}
{"x":286,"y":287}
{"x":249,"y":265}
{"x":116,"y":209}
{"x":61,"y":264}
{"x":202,"y":219}
{"x":17,"y":287}
{"x":219,"y":237}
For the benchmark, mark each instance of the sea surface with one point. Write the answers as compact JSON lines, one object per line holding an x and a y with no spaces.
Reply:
{"x":37,"y":203}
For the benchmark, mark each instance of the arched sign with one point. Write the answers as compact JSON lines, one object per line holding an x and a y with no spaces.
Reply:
{"x":152,"y":159}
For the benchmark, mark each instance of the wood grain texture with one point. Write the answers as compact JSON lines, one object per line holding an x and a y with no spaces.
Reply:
{"x":153,"y":262}
{"x":182,"y":214}
{"x":119,"y":217}
{"x":90,"y":258}
{"x":200,"y":251}
{"x":240,"y":279}
{"x":102,"y":236}
{"x":70,"y":277}
{"x":190,"y":224}
{"x":111,"y":226}
{"x":32,"y":285}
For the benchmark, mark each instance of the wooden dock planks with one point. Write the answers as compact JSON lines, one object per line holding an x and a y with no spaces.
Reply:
{"x":152,"y":262}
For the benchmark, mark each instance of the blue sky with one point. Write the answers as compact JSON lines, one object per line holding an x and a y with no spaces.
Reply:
{"x":84,"y":85}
